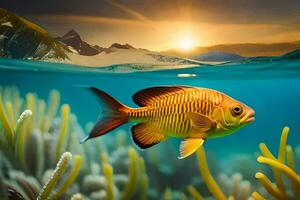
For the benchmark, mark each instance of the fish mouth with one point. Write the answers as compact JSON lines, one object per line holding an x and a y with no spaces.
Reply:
{"x":250,"y":118}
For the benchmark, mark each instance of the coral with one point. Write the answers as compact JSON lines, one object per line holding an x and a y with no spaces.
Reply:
{"x":57,"y":174}
{"x":233,"y":187}
{"x":207,"y":177}
{"x":33,"y":143}
{"x":65,"y":112}
{"x":167,"y":194}
{"x":282,"y":165}
{"x":71,"y":177}
{"x":108,"y":173}
{"x":194,"y":193}
{"x":23,"y":142}
{"x":236,"y":188}
{"x":35,"y":139}
{"x":144,"y":182}
{"x":237,"y":163}
{"x":132,"y":175}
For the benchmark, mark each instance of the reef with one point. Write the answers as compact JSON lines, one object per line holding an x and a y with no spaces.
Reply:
{"x":234,"y":187}
{"x":282,"y":165}
{"x":41,"y":158}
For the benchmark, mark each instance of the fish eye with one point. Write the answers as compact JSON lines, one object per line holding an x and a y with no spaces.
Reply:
{"x":237,"y":110}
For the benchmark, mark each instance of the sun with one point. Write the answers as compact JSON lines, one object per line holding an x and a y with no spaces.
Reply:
{"x":186,"y":43}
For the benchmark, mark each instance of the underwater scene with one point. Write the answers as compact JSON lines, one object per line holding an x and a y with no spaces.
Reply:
{"x":88,"y":120}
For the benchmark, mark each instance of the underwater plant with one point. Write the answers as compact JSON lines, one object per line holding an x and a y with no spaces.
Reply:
{"x":25,"y":143}
{"x":282,"y":165}
{"x":236,"y":188}
{"x":41,"y":157}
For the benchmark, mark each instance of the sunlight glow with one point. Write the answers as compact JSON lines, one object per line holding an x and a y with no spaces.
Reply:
{"x":186,"y":43}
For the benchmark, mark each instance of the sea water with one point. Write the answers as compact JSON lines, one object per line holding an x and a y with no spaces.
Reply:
{"x":272,"y":89}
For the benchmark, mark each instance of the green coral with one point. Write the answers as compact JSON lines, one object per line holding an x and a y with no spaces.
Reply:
{"x":34,"y":142}
{"x":34,"y":136}
{"x":132,"y":175}
{"x":23,"y":141}
{"x":108,"y":173}
{"x":57,"y":174}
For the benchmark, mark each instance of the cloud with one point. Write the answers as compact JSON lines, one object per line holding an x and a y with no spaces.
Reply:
{"x":210,"y":11}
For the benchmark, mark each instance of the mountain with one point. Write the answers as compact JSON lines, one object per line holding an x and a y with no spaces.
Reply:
{"x":73,"y":39}
{"x":243,"y":49}
{"x":22,"y":39}
{"x":217,"y":56}
{"x":294,"y":55}
{"x":121,"y":46}
{"x":118,"y":55}
{"x":116,"y":46}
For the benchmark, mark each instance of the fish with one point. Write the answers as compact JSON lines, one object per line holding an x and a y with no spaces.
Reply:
{"x":192,"y":114}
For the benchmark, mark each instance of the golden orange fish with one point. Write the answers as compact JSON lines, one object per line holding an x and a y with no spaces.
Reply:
{"x":193,"y":114}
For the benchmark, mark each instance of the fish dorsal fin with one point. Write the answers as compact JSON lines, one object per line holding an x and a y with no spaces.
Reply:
{"x":150,"y":95}
{"x":189,"y":146}
{"x":146,"y":135}
{"x":201,"y":122}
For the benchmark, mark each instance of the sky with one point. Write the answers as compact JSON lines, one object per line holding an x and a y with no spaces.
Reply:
{"x":166,"y":24}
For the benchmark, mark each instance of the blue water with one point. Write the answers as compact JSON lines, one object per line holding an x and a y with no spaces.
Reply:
{"x":270,"y":88}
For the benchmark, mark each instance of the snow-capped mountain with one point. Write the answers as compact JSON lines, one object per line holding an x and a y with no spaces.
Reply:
{"x":116,"y":54}
{"x":22,"y":39}
{"x":217,"y":56}
{"x":73,"y":40}
{"x":121,"y":56}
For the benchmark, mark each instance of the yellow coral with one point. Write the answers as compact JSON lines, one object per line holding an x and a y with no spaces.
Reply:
{"x":71,"y":177}
{"x":207,"y":177}
{"x":279,"y":168}
{"x":20,"y":131}
{"x":57,"y":174}
{"x":194,"y":193}
{"x":167,"y":194}
{"x":132,"y":175}
{"x":5,"y":123}
{"x":64,"y":128}
{"x":144,"y":182}
{"x":257,"y":196}
{"x":108,"y":173}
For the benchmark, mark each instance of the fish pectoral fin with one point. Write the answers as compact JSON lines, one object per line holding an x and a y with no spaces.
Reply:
{"x":189,"y":146}
{"x":146,"y":135}
{"x":201,"y":122}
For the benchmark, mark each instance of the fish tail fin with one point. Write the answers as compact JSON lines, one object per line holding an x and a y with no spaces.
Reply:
{"x":115,"y":115}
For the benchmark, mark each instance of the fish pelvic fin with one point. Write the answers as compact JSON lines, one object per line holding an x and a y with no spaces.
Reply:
{"x":115,"y":114}
{"x":146,"y":135}
{"x":189,"y":146}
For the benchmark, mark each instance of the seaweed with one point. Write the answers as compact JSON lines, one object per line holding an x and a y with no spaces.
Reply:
{"x":57,"y":174}
{"x":42,"y":158}
{"x":40,"y":140}
{"x":23,"y":141}
{"x":282,"y":165}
